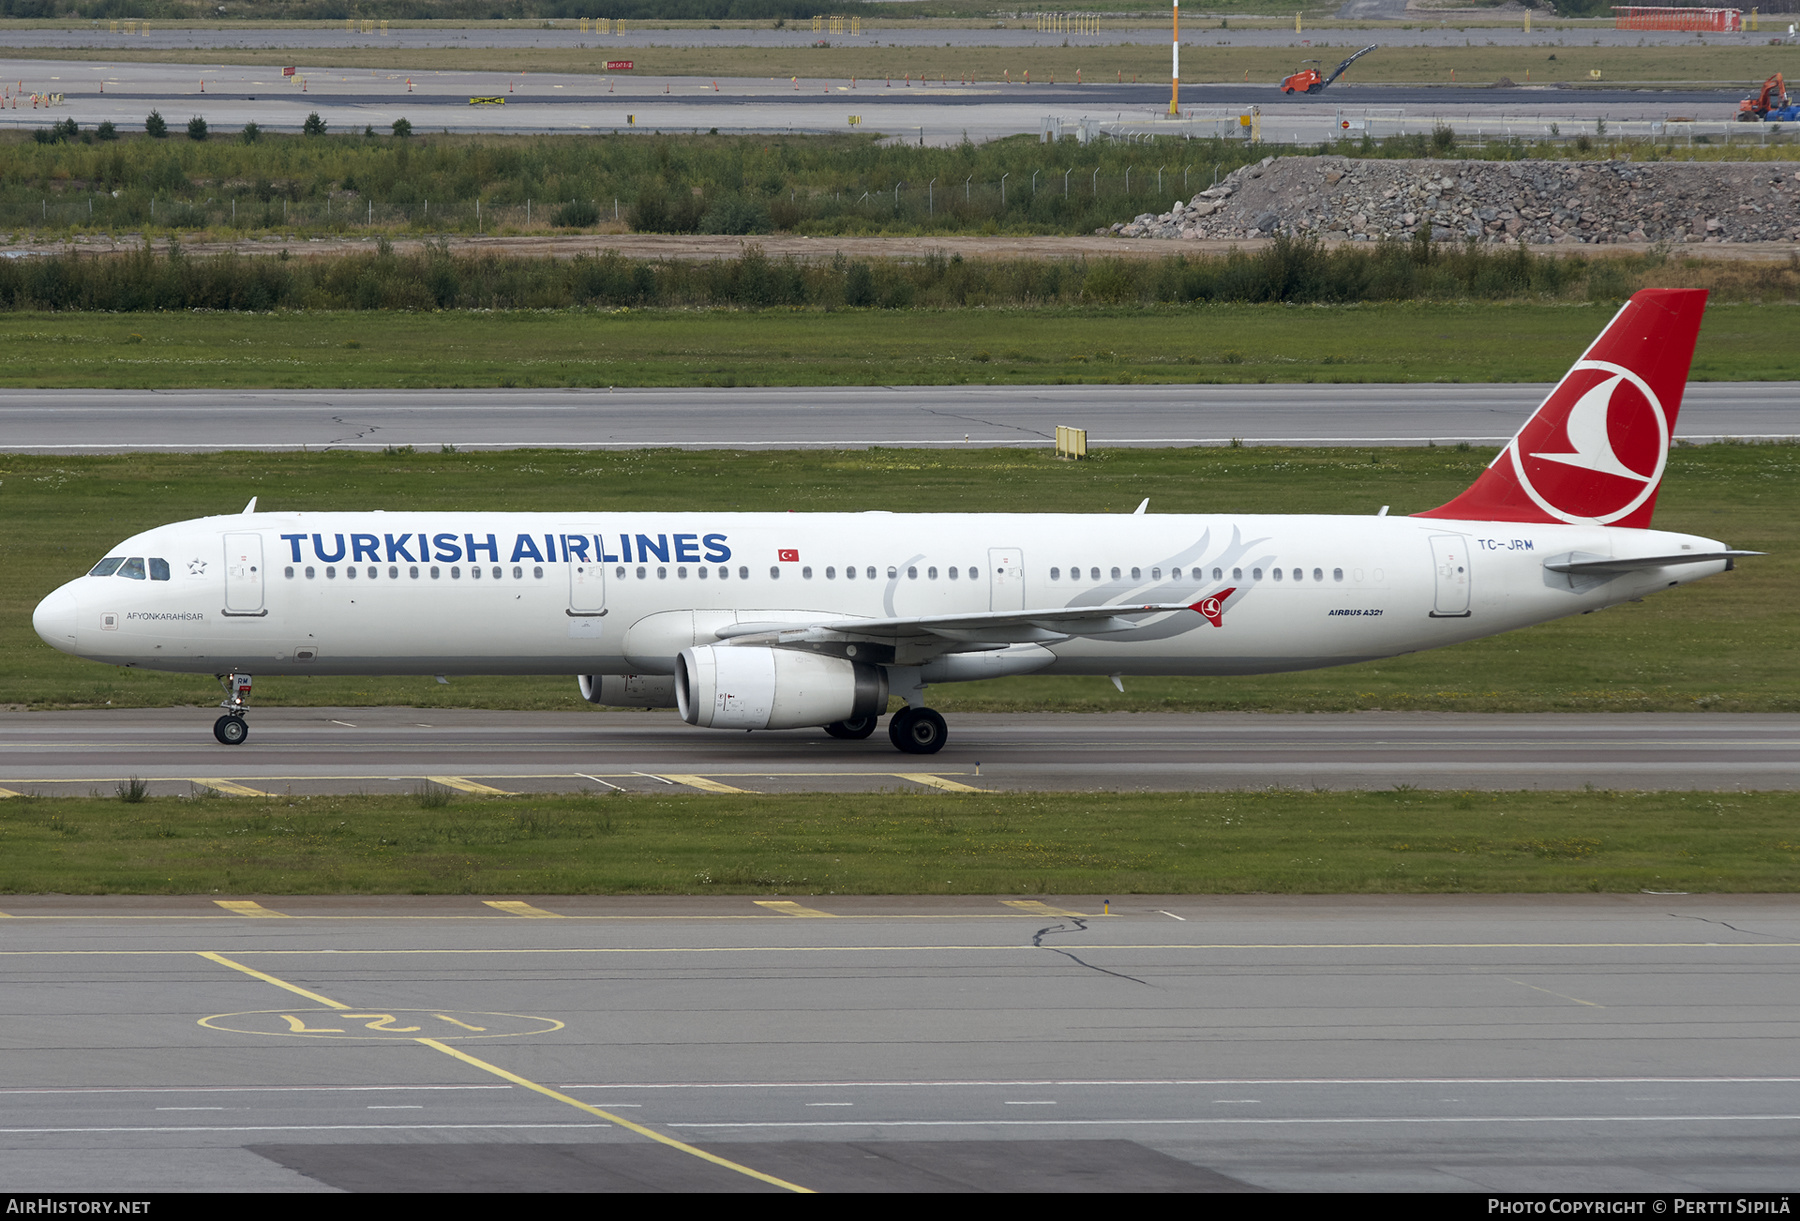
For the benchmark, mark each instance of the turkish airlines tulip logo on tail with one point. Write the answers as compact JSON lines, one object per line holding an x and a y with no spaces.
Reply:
{"x":1596,"y":449}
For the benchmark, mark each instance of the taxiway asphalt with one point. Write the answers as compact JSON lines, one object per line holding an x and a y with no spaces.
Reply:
{"x":111,"y":421}
{"x":1468,"y":1043}
{"x":339,"y":750}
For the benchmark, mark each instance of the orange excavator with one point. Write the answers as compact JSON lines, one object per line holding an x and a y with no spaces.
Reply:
{"x":1769,"y":106}
{"x":1310,"y":80}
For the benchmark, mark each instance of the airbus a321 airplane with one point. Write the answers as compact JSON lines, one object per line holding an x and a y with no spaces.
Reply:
{"x":785,"y":621}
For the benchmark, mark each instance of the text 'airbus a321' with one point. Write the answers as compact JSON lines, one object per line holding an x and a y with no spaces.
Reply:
{"x":787,"y":621}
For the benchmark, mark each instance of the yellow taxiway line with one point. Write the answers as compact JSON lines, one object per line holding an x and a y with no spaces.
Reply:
{"x":529,"y":1084}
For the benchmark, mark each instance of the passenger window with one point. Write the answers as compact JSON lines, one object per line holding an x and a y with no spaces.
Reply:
{"x":496,"y":572}
{"x":108,"y":566}
{"x":455,"y":572}
{"x":1115,"y":574}
{"x":681,"y":572}
{"x":1156,"y":574}
{"x":133,"y":568}
{"x":1056,"y":574}
{"x":1237,"y":574}
{"x":1277,"y":573}
{"x":641,"y":574}
{"x":1299,"y":574}
{"x":744,"y":573}
{"x":724,"y":573}
{"x":1219,"y":574}
{"x":701,"y":573}
{"x":850,"y":572}
{"x":1137,"y":574}
{"x":330,"y":573}
{"x":394,"y":573}
{"x":311,"y":572}
{"x":892,"y":572}
{"x":413,"y":572}
{"x":806,"y":573}
{"x":1093,"y":574}
{"x":912,"y":574}
{"x":931,"y":574}
{"x":870,"y":572}
{"x":662,"y":574}
{"x":774,"y":572}
{"x":349,"y":574}
{"x":951,"y":574}
{"x":435,"y":572}
{"x":831,"y":572}
{"x":1318,"y":574}
{"x":159,"y":570}
{"x":973,"y":573}
{"x":518,"y":573}
{"x":1255,"y":574}
{"x":1337,"y":574}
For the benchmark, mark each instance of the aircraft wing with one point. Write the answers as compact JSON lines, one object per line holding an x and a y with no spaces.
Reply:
{"x":984,"y":627}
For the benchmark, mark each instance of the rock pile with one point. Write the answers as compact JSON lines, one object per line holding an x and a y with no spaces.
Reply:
{"x":1501,"y":202}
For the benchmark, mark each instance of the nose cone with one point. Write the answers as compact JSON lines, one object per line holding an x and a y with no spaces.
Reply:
{"x":55,"y":618}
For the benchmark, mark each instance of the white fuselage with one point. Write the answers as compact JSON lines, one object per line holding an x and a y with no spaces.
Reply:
{"x":624,"y":592}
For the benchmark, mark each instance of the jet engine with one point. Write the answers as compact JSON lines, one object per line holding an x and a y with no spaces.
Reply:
{"x":628,"y":690}
{"x":743,"y":687}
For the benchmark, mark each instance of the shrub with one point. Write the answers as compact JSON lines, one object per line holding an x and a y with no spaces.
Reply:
{"x":196,"y":128}
{"x":576,"y":214}
{"x":314,"y":125}
{"x":106,"y":131}
{"x":402,"y":128}
{"x":156,"y":126}
{"x":252,"y":133}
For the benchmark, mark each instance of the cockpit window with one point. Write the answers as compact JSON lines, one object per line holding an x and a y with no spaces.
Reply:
{"x":107,"y":566}
{"x":133,"y":568}
{"x":159,"y":570}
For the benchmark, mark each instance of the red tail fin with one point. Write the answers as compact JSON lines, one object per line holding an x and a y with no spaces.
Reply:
{"x":1594,"y":452}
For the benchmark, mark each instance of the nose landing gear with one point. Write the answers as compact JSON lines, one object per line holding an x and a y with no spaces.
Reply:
{"x":231,"y":729}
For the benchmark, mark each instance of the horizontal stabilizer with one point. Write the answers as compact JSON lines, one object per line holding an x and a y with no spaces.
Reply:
{"x":1600,"y":566}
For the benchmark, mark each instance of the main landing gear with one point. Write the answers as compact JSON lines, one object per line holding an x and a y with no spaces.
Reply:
{"x":853,"y":730}
{"x":918,"y":731}
{"x":914,"y":731}
{"x":231,"y":729}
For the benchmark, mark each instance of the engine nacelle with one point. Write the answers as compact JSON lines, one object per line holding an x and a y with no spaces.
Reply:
{"x":726,"y":687}
{"x":628,"y":690}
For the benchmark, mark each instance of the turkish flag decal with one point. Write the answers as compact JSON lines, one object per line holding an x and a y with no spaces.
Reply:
{"x":788,"y":555}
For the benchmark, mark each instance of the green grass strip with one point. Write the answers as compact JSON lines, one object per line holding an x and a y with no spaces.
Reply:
{"x":1465,"y":342}
{"x":1276,"y":842}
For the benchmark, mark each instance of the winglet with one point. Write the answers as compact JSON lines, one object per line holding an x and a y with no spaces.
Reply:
{"x":251,"y":507}
{"x":1213,"y":607}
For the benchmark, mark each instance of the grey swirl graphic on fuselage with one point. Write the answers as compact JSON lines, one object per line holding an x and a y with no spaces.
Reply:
{"x":1115,"y":593}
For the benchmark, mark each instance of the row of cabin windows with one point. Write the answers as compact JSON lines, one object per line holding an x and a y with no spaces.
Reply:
{"x":414,"y":572}
{"x":159,"y":571}
{"x":1199,"y":574}
{"x":850,"y":573}
{"x":133,"y":569}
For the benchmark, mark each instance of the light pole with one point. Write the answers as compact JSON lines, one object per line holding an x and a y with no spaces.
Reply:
{"x":1003,"y":179}
{"x":1175,"y":62}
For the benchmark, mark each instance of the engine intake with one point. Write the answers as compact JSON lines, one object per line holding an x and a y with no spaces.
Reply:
{"x":742,"y":687}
